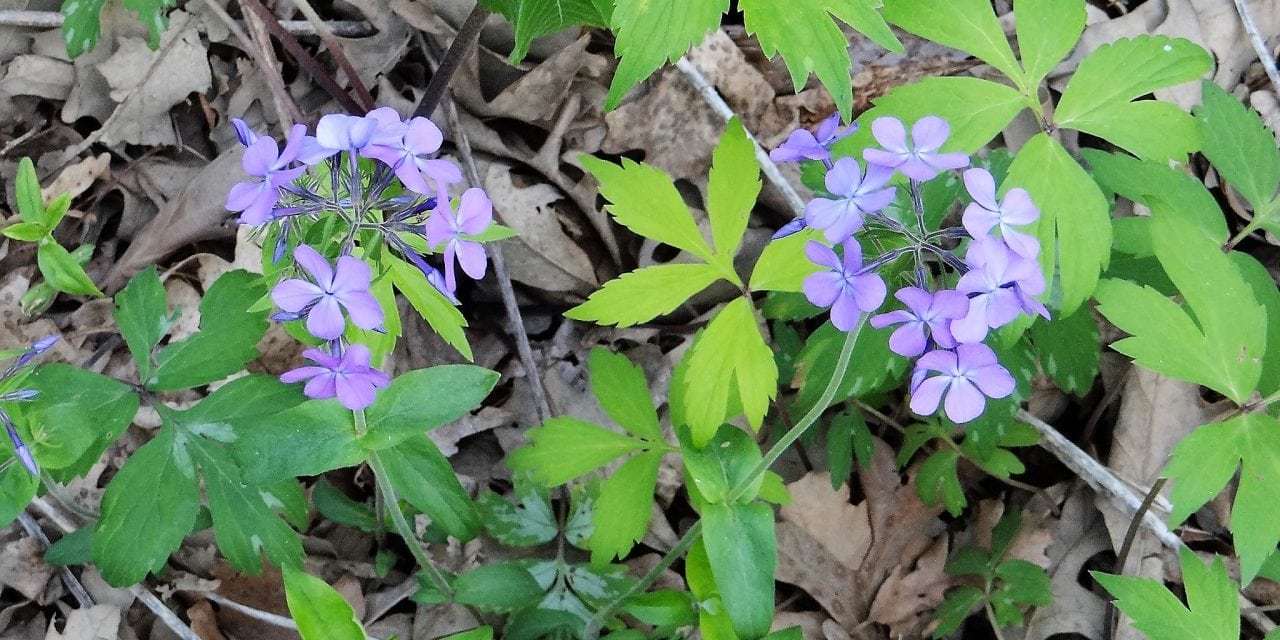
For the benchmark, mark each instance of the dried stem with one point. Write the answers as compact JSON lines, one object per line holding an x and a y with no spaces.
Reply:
{"x":335,"y":49}
{"x":69,"y":579}
{"x":465,"y":40}
{"x":272,"y":619}
{"x":1259,"y":44}
{"x":53,"y":20}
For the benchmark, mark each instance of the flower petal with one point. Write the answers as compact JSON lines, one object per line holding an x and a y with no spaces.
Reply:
{"x":302,"y":373}
{"x":363,"y":308}
{"x":994,"y":381}
{"x":908,"y":340}
{"x":930,"y":133}
{"x":979,"y":221}
{"x":243,"y":194}
{"x":823,"y":288}
{"x":314,"y":264}
{"x":295,"y":294}
{"x":475,"y":211}
{"x":964,"y":402}
{"x":471,"y":258}
{"x":869,"y":292}
{"x":891,"y":318}
{"x":845,"y":311}
{"x":423,"y":137}
{"x":844,"y":177}
{"x":352,"y":274}
{"x":822,"y":255}
{"x":981,"y":187}
{"x":925,"y":399}
{"x":259,"y":157}
{"x":325,"y":320}
{"x":354,"y":391}
{"x":321,"y":386}
{"x":890,"y":133}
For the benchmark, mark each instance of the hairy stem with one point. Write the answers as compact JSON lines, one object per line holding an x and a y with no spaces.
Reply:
{"x":402,"y":527}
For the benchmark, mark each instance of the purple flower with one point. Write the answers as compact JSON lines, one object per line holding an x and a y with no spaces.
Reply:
{"x":20,"y":449}
{"x":337,"y":132}
{"x":243,"y":132}
{"x":928,"y":315}
{"x":801,"y":144}
{"x":967,"y":377}
{"x":322,"y":301}
{"x":795,"y":226}
{"x":986,"y":213}
{"x":263,"y":159}
{"x":349,"y":377}
{"x":408,"y":149}
{"x":859,"y":195}
{"x":842,"y":286}
{"x":445,"y":226}
{"x":38,"y":347}
{"x":920,"y":160}
{"x":1000,"y":285}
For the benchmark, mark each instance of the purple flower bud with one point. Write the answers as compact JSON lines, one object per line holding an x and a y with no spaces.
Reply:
{"x":243,"y":132}
{"x":38,"y":347}
{"x":920,"y":160}
{"x":967,"y":377}
{"x":331,"y":290}
{"x":802,"y":144}
{"x":842,"y":285}
{"x":20,"y":449}
{"x":20,"y":395}
{"x":348,"y":377}
{"x":793,"y":227}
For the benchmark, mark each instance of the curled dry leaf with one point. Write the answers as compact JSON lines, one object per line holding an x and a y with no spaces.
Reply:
{"x":99,"y":622}
{"x":1077,"y":537}
{"x":907,"y":598}
{"x":23,"y":569}
{"x":77,"y":178}
{"x":39,"y":76}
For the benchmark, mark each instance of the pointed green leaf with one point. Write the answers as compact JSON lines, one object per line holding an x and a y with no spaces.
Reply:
{"x":721,"y":465}
{"x":425,"y":399}
{"x":422,"y":476}
{"x":153,"y":15}
{"x":968,"y":25}
{"x":1239,"y":145}
{"x":320,"y":612}
{"x":1150,"y":129}
{"x":651,"y":32}
{"x":142,"y":315}
{"x":334,"y":505}
{"x":623,"y":392}
{"x":732,"y":188}
{"x":25,"y":231}
{"x":527,"y":525}
{"x":565,"y":447}
{"x":81,"y":26}
{"x":228,"y":337}
{"x":742,"y":550}
{"x":644,"y":199}
{"x":309,"y":439}
{"x":782,"y":265}
{"x":1140,"y":180}
{"x":501,"y":587}
{"x":71,"y":430}
{"x":243,"y":525}
{"x":62,"y":271}
{"x":1212,"y":611}
{"x":1047,"y":31}
{"x":1265,"y":292}
{"x":537,"y":18}
{"x":623,"y":510}
{"x":644,"y":294}
{"x":730,"y":355}
{"x":26,"y":192}
{"x":1068,"y":350}
{"x":54,"y":213}
{"x":444,"y":318}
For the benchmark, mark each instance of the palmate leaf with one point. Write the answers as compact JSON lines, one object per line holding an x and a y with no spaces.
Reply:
{"x":1240,"y":146}
{"x":1047,"y":31}
{"x":536,"y":18}
{"x":729,"y":356}
{"x":565,"y":447}
{"x":968,"y":25}
{"x":1212,"y":611}
{"x":644,"y":294}
{"x":652,"y":32}
{"x":622,"y":512}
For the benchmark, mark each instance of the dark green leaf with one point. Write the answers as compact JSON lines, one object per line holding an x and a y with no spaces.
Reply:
{"x":938,"y":481}
{"x":662,"y":608}
{"x":81,"y":27}
{"x":319,"y":611}
{"x":62,"y":271}
{"x":725,"y":461}
{"x":152,"y":14}
{"x":847,"y":437}
{"x":245,"y":399}
{"x":742,"y":550}
{"x":142,"y":315}
{"x":336,"y":506}
{"x":71,"y":430}
{"x":497,"y":587}
{"x":1068,"y":350}
{"x":243,"y":525}
{"x":228,"y":337}
{"x":309,"y":439}
{"x":422,"y":400}
{"x":527,"y":525}
{"x":17,"y":487}
{"x":74,"y":548}
{"x":1239,"y":145}
{"x":54,"y":213}
{"x":1265,"y":292}
{"x":955,"y":608}
{"x":422,"y":476}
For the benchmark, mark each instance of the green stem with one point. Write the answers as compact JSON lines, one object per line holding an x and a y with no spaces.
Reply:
{"x":362,"y":426}
{"x":601,"y":616}
{"x":402,"y":526}
{"x":995,"y":624}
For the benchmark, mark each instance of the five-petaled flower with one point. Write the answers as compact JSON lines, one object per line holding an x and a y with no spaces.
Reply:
{"x":347,"y":377}
{"x":858,"y":195}
{"x":333,"y":289}
{"x":447,"y":227}
{"x":967,"y":376}
{"x":409,"y":149}
{"x":842,"y":285}
{"x":802,"y":144}
{"x":920,"y":160}
{"x":927,"y":316}
{"x":1000,"y":285}
{"x":986,"y":213}
{"x":263,"y":159}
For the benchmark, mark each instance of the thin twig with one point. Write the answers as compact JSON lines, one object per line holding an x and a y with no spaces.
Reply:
{"x":272,"y":619}
{"x":287,"y":111}
{"x":465,"y":40}
{"x":335,"y":50}
{"x":304,"y":59}
{"x":1259,"y":44}
{"x":53,"y":20}
{"x":1136,"y":523}
{"x":722,"y":108}
{"x":73,"y":584}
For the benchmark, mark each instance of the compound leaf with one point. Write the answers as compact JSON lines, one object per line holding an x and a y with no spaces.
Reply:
{"x":624,"y":507}
{"x":537,"y":18}
{"x":623,"y":392}
{"x":644,"y":199}
{"x":644,"y":294}
{"x":1239,"y":145}
{"x":565,"y":447}
{"x":652,"y":32}
{"x":729,"y":355}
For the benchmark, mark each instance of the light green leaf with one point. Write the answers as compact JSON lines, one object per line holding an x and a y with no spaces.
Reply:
{"x":732,"y":188}
{"x":1264,"y":291}
{"x":307,"y":440}
{"x":228,"y":337}
{"x":644,"y":199}
{"x":25,"y":231}
{"x":1150,"y":63}
{"x":967,"y":25}
{"x":644,"y":294}
{"x":1206,"y":460}
{"x":729,"y":355}
{"x":148,"y":508}
{"x":497,"y":587}
{"x":57,"y":208}
{"x":1075,"y":225}
{"x":977,"y":111}
{"x":1213,"y":611}
{"x":623,"y":392}
{"x":81,"y":27}
{"x":863,"y":16}
{"x":62,"y":271}
{"x":1150,"y":129}
{"x":243,"y":525}
{"x":141,"y":313}
{"x":565,"y":447}
{"x":26,"y":192}
{"x":742,"y":551}
{"x":1167,"y":340}
{"x":624,"y":507}
{"x":422,"y":476}
{"x":1140,"y":180}
{"x":421,"y":400}
{"x":537,"y":18}
{"x":444,"y":318}
{"x":319,"y":610}
{"x":1239,"y":145}
{"x":651,"y":32}
{"x":1047,"y":31}
{"x":782,"y":265}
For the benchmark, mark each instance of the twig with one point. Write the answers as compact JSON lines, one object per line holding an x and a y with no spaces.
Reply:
{"x":53,"y":20}
{"x":257,"y":614}
{"x":1264,"y":54}
{"x":144,"y":595}
{"x":465,"y":40}
{"x":303,"y":58}
{"x":1132,"y":533}
{"x":509,"y":302}
{"x":335,"y":50}
{"x":287,"y":111}
{"x":722,"y":108}
{"x":73,"y":584}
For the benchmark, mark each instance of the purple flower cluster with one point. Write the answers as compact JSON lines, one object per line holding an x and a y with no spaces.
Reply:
{"x":942,"y":326}
{"x":21,"y":452}
{"x":329,"y":177}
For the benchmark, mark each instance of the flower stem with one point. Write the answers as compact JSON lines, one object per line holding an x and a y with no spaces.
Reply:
{"x":592,"y":631}
{"x":402,"y":526}
{"x":362,"y":425}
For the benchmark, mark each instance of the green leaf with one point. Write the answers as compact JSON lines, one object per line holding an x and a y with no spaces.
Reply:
{"x":62,"y":271}
{"x":1068,"y":350}
{"x":742,"y":550}
{"x":54,"y":213}
{"x":732,"y":188}
{"x":876,"y":367}
{"x":565,"y":447}
{"x":977,"y":111}
{"x":968,"y":25}
{"x":1206,"y":460}
{"x":724,"y":463}
{"x":142,"y":315}
{"x":644,"y":199}
{"x":228,"y":337}
{"x":74,"y":548}
{"x":652,"y":32}
{"x":152,"y":14}
{"x":623,"y":392}
{"x":1239,"y":145}
{"x":662,"y":608}
{"x":729,"y":355}
{"x":320,"y":612}
{"x":479,"y":633}
{"x":1140,"y":180}
{"x":938,"y":481}
{"x":501,"y":587}
{"x":1047,"y":31}
{"x":444,"y":318}
{"x":624,"y":507}
{"x":246,"y":398}
{"x":1265,"y":292}
{"x":423,"y":477}
{"x":1213,"y":611}
{"x":243,"y":525}
{"x":336,"y":506}
{"x":847,"y":437}
{"x":644,"y":294}
{"x":1150,"y":129}
{"x":1075,"y":225}
{"x":307,"y":440}
{"x":71,"y":430}
{"x":527,"y":525}
{"x":1151,"y":63}
{"x":81,"y":27}
{"x":782,"y":265}
{"x":17,"y":487}
{"x":955,"y":608}
{"x":425,"y":399}
{"x":25,"y":231}
{"x":26,"y":192}
{"x":537,"y":18}
{"x":148,"y":508}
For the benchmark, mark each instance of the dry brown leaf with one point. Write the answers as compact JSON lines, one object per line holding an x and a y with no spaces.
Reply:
{"x":40,"y":76}
{"x":1077,"y":537}
{"x":100,"y":622}
{"x":204,"y":621}
{"x":23,"y":569}
{"x":843,"y":529}
{"x":77,"y":178}
{"x":907,"y":598}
